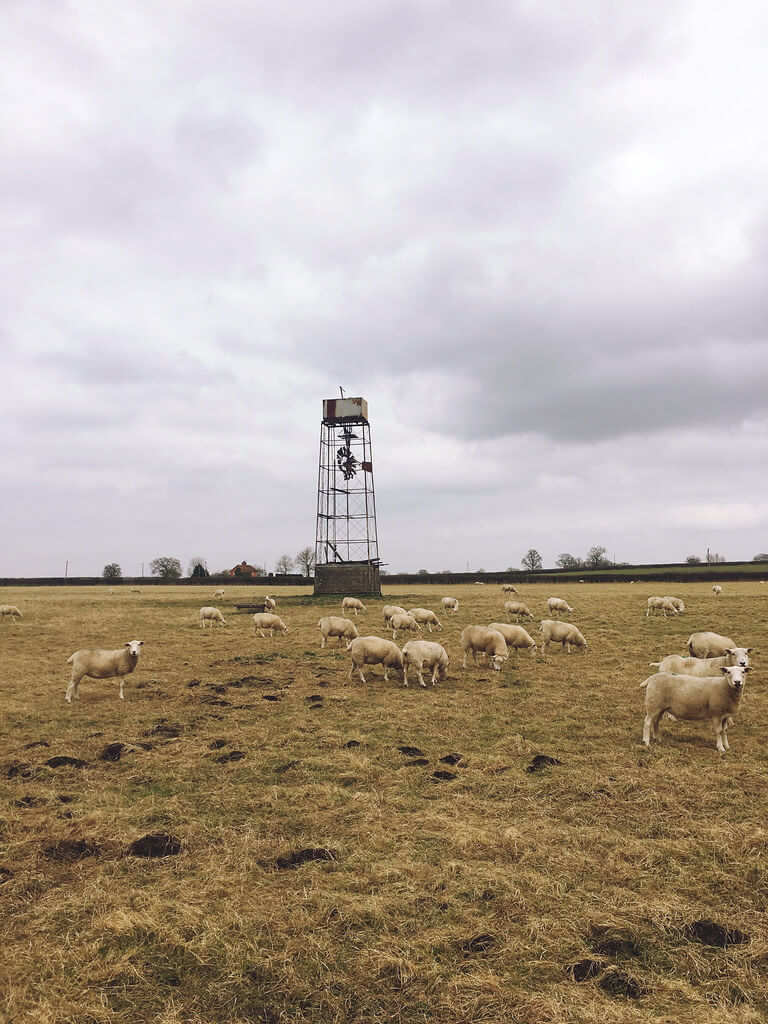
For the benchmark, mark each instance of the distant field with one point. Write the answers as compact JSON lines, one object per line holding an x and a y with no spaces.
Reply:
{"x":566,"y":894}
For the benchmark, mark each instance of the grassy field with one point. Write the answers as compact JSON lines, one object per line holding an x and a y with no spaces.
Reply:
{"x":570,"y":893}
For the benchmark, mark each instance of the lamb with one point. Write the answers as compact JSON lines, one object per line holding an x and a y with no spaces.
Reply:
{"x":10,"y":610}
{"x":353,"y":604}
{"x":272,"y":623}
{"x":717,"y":590}
{"x":515,"y":636}
{"x":450,"y":604}
{"x":660,"y":604}
{"x":675,"y":665}
{"x":694,"y":698}
{"x":269,"y":603}
{"x":708,"y":645}
{"x":677,"y":603}
{"x":211,"y":615}
{"x":507,"y":588}
{"x":425,"y":654}
{"x":557,"y":604}
{"x":391,"y":609}
{"x":484,"y":641}
{"x":426,"y":617}
{"x":372,"y":650}
{"x":403,"y":621}
{"x":334,"y":626}
{"x":219,"y":592}
{"x":518,"y":609}
{"x":563,"y":633}
{"x":103,"y":665}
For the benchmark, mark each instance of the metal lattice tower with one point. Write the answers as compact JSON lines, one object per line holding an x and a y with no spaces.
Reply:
{"x":346,"y":541}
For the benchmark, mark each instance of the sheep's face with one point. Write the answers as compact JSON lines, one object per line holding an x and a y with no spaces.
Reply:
{"x":497,"y":660}
{"x":736,"y":676}
{"x":133,"y":647}
{"x":739,"y":656}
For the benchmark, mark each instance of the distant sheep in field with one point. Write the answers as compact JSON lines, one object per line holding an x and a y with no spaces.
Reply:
{"x":218,"y":593}
{"x":11,"y":611}
{"x":507,"y":588}
{"x":102,"y":665}
{"x":392,"y":609}
{"x":557,"y":605}
{"x":450,"y":604}
{"x":518,"y":609}
{"x":110,"y":591}
{"x":353,"y":604}
{"x":660,"y":604}
{"x":402,"y":623}
{"x":708,"y":645}
{"x":676,"y":665}
{"x":272,"y":623}
{"x":372,"y":650}
{"x":479,"y":583}
{"x":485,"y":642}
{"x":426,"y":617}
{"x":210,"y":616}
{"x":515,"y":637}
{"x":714,"y":698}
{"x":425,"y":655}
{"x":716,"y":589}
{"x":677,"y":604}
{"x":334,"y":626}
{"x":269,"y":604}
{"x":563,"y":633}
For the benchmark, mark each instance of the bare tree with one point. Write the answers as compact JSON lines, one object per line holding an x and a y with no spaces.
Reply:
{"x":306,"y":560}
{"x":532,"y":560}
{"x":596,"y":558}
{"x":166,"y":567}
{"x":566,"y":561}
{"x":693,"y":560}
{"x":284,"y":564}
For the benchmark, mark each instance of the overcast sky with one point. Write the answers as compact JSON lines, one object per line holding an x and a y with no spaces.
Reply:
{"x":533,"y":234}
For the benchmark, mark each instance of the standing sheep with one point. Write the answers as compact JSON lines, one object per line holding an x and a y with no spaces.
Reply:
{"x":211,"y":615}
{"x":391,"y":609}
{"x":518,"y":609}
{"x":507,"y":588}
{"x":484,"y":641}
{"x":272,"y":623}
{"x":692,"y":699}
{"x":717,"y":590}
{"x":269,"y":604}
{"x":426,"y":617}
{"x":425,"y":654}
{"x":660,"y":604}
{"x":11,"y":611}
{"x":353,"y":604}
{"x":675,"y":665}
{"x":102,"y":665}
{"x":563,"y":633}
{"x":708,"y":645}
{"x":450,"y":604}
{"x":372,"y":650}
{"x":335,"y":626}
{"x":515,"y":636}
{"x":219,"y":592}
{"x":400,"y":622}
{"x":557,"y":605}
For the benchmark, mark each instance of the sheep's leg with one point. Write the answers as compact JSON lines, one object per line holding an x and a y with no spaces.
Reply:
{"x":726,"y":723}
{"x":405,"y":673}
{"x":544,"y":646}
{"x":351,"y":670}
{"x":567,"y":647}
{"x":719,"y":729}
{"x":322,"y":643}
{"x":464,"y":663}
{"x":656,"y":721}
{"x":72,"y":688}
{"x":421,"y":678}
{"x":122,"y":695}
{"x":386,"y":673}
{"x":647,"y":731}
{"x":360,"y":673}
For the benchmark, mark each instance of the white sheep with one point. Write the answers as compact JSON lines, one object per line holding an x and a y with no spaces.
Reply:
{"x":372,"y":650}
{"x":515,"y":636}
{"x":557,"y":605}
{"x":518,"y":609}
{"x":425,"y":654}
{"x":479,"y":583}
{"x":676,"y":665}
{"x":563,"y":633}
{"x":484,"y":641}
{"x":391,"y":609}
{"x":269,"y":604}
{"x":110,"y":591}
{"x":716,"y":589}
{"x":426,"y":617}
{"x":677,"y":603}
{"x":335,"y":626}
{"x":102,"y":665}
{"x":708,"y":645}
{"x":660,"y":604}
{"x":353,"y":604}
{"x":211,"y":616}
{"x":11,"y":611}
{"x":272,"y":623}
{"x":401,"y":622}
{"x":507,"y":588}
{"x":450,"y":604}
{"x":219,"y":592}
{"x":694,"y":698}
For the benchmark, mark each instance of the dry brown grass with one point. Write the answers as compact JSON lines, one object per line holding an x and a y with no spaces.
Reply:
{"x":458,"y":901}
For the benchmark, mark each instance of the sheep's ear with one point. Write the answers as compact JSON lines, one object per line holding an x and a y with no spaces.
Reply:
{"x":730,"y":650}
{"x":725,"y":669}
{"x":749,"y":649}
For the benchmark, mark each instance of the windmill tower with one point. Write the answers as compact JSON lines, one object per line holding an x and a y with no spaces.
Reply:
{"x":346,"y":543}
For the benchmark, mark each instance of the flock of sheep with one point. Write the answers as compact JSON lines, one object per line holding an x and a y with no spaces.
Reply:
{"x":706,"y":685}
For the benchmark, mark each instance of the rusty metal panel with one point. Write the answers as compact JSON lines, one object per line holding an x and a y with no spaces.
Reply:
{"x":345,"y":408}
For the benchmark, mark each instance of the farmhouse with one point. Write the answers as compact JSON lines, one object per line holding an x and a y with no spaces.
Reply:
{"x":244,"y":569}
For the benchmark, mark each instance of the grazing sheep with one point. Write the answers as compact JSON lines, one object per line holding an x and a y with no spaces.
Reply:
{"x":484,"y":641}
{"x":677,"y":604}
{"x":708,"y":645}
{"x":694,"y":698}
{"x":334,"y":626}
{"x":372,"y":650}
{"x":272,"y":623}
{"x":11,"y":611}
{"x":426,"y":617}
{"x":479,"y":583}
{"x":518,"y":609}
{"x":450,"y":604}
{"x":211,"y":615}
{"x":557,"y":605}
{"x":102,"y":665}
{"x":391,"y":609}
{"x":676,"y":665}
{"x":269,"y":603}
{"x":425,"y":654}
{"x":219,"y":592}
{"x":134,"y":591}
{"x":507,"y":588}
{"x":717,"y":590}
{"x":403,"y":621}
{"x":660,"y":604}
{"x":515,"y":636}
{"x":110,"y":591}
{"x":353,"y":604}
{"x":563,"y":633}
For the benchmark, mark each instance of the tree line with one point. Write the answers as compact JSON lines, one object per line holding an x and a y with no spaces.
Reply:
{"x":169,"y":568}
